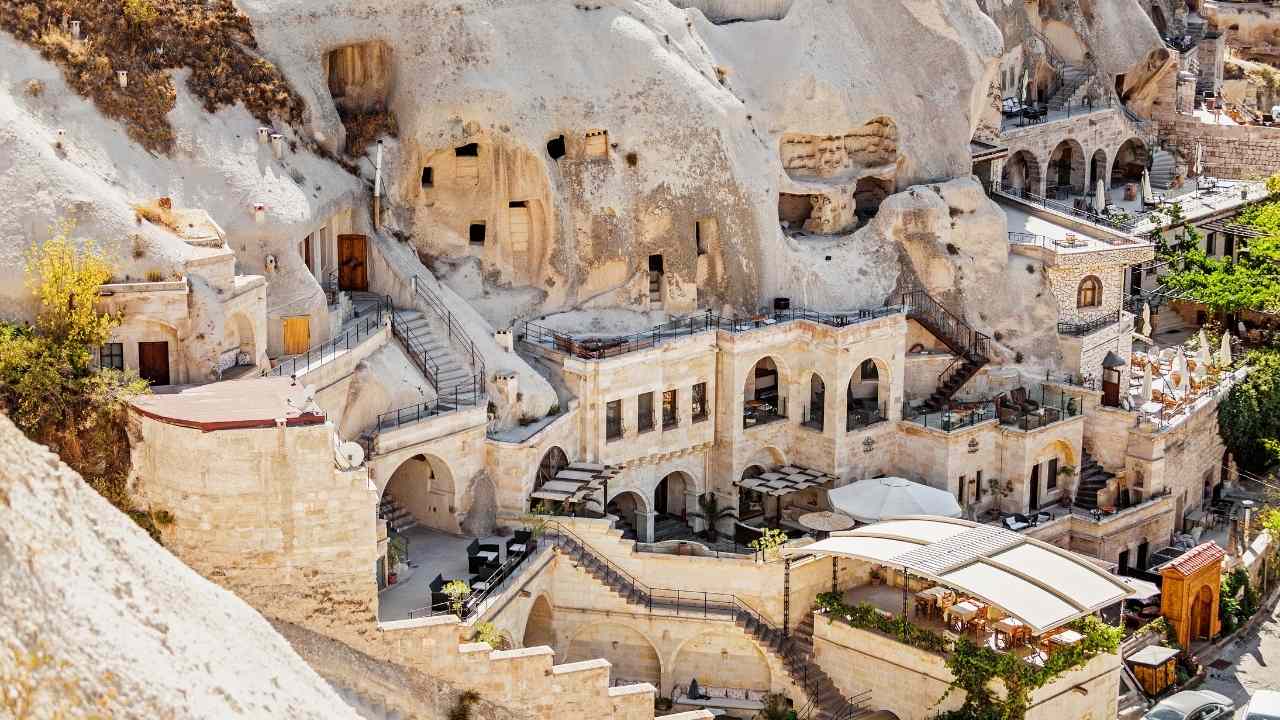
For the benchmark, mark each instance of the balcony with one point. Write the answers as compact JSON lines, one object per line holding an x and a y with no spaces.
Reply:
{"x":1088,"y":327}
{"x":957,"y":416}
{"x":1038,"y":408}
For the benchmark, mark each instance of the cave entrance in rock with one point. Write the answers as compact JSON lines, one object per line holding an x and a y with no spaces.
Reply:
{"x":1158,"y":19}
{"x":555,"y":147}
{"x":868,"y":194}
{"x":795,"y":211}
{"x":1130,"y":161}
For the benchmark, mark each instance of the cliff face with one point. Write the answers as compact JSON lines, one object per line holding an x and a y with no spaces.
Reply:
{"x":565,"y":146}
{"x":100,"y":621}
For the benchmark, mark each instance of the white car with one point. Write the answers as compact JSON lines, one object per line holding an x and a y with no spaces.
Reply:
{"x":1264,"y":705}
{"x":1192,"y":705}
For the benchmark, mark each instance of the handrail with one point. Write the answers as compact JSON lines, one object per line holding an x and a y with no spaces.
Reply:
{"x":1060,"y":207}
{"x":455,"y":329}
{"x":327,"y":350}
{"x":1077,"y":329}
{"x":465,"y":394}
{"x":417,"y":353}
{"x":955,"y":333}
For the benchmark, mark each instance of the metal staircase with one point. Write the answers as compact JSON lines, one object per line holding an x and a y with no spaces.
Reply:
{"x":972,"y":348}
{"x":795,"y":651}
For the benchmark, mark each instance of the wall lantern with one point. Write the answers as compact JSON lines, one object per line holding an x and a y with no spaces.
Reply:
{"x":868,"y":444}
{"x":973,"y":445}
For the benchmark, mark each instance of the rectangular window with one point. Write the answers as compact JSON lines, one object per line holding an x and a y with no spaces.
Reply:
{"x":1051,"y":482}
{"x":1210,"y":241}
{"x":644,"y":412}
{"x":428,"y":177}
{"x":704,"y":232}
{"x":960,"y":490}
{"x":597,"y":144}
{"x":613,"y":420}
{"x":475,"y":234}
{"x":699,"y":402}
{"x":670,"y":414}
{"x":466,"y":165}
{"x":977,"y":494}
{"x":111,"y":356}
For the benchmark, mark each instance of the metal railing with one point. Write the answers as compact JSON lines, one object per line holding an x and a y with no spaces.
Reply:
{"x":956,"y":416}
{"x":1038,"y":409}
{"x":416,"y":349}
{"x":326,"y":351}
{"x":1087,"y":382}
{"x":1024,"y":195}
{"x":955,"y":333}
{"x":497,"y":582}
{"x":455,"y":331}
{"x":1077,"y":329}
{"x":330,"y":286}
{"x":601,"y":348}
{"x":859,"y":418}
{"x":462,"y":395}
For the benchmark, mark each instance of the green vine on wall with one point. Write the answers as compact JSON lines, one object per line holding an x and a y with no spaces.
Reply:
{"x":867,"y":617}
{"x":976,"y":666}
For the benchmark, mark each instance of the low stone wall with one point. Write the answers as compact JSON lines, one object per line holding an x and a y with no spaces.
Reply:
{"x":1239,"y":152}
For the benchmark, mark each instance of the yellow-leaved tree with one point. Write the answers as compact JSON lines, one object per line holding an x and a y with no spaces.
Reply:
{"x":50,"y":385}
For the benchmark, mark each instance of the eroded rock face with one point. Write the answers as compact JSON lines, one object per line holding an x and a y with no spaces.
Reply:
{"x":573,"y":150}
{"x":126,"y":629}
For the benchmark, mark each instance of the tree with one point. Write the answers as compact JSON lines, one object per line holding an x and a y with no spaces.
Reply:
{"x":1249,"y":417}
{"x":49,"y":385}
{"x":709,"y":510}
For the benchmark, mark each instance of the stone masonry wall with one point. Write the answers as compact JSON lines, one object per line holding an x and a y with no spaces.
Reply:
{"x":1239,"y":152}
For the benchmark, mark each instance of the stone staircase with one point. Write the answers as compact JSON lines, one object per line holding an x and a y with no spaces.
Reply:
{"x":1163,"y":168}
{"x":445,"y":371}
{"x":397,"y":517}
{"x":1093,"y":480}
{"x":1071,"y":89}
{"x":795,"y":652}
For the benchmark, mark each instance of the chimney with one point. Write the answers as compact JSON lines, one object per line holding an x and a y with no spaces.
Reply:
{"x":259,"y":212}
{"x":122,"y":77}
{"x":277,"y":145}
{"x":504,"y":339}
{"x":264,"y":135}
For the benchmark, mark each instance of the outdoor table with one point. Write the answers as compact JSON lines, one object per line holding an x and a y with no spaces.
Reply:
{"x":1064,"y":638}
{"x":1011,"y":631}
{"x":1151,"y":408}
{"x":517,"y":548}
{"x":488,"y":555}
{"x":826,"y":521}
{"x":935,"y":599}
{"x":961,"y":615}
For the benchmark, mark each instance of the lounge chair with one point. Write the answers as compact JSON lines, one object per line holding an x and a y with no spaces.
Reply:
{"x":1012,"y":522}
{"x":521,"y":544}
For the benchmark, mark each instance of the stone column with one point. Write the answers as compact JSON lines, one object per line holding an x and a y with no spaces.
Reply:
{"x":644,"y":526}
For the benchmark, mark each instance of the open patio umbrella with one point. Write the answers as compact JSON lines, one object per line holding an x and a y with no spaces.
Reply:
{"x":872,"y":500}
{"x":1146,"y":186}
{"x":1100,"y":197}
{"x":1224,"y":353}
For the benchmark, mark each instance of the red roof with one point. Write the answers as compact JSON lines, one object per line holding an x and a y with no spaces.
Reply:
{"x":1195,"y":559}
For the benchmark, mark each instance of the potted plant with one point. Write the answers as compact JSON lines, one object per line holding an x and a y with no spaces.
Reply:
{"x":769,"y":542}
{"x":457,"y":592}
{"x":709,"y":511}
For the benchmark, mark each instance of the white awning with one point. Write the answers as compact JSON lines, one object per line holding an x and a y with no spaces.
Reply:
{"x":1042,"y":585}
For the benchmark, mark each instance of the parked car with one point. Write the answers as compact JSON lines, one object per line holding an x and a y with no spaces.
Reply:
{"x":1264,"y":705}
{"x":1192,"y":705}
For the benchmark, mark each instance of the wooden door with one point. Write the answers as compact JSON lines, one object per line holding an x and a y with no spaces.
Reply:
{"x":1034,"y":503}
{"x":353,"y":271}
{"x":153,"y":362}
{"x":297,"y":334}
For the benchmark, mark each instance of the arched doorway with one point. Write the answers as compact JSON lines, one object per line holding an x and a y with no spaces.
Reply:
{"x":630,"y":510}
{"x":1021,"y":173}
{"x":1097,"y":168}
{"x":538,"y":629}
{"x":633,"y":658}
{"x":240,"y":348}
{"x":1202,"y":614}
{"x":422,"y":487}
{"x":704,"y":657}
{"x":815,"y":416}
{"x":1067,"y":169}
{"x":670,"y":493}
{"x":553,"y":461}
{"x":750,"y":502}
{"x":763,"y":398}
{"x":867,"y":395}
{"x":868,"y":194}
{"x":1130,"y":161}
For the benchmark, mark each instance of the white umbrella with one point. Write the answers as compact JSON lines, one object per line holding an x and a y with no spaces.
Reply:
{"x":1026,"y":80}
{"x":869,"y":501}
{"x":1100,"y":199}
{"x":1179,"y":363}
{"x":1146,"y":318}
{"x":1184,"y":382}
{"x":1203,"y":356}
{"x":1224,"y":353}
{"x":1199,"y":159}
{"x":1146,"y":385}
{"x":1146,"y":187}
{"x":1203,"y":341}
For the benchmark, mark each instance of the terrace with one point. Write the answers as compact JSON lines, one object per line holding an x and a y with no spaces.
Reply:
{"x":1020,"y":409}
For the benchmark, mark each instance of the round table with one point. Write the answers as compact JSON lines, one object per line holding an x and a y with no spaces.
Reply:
{"x":1151,"y":408}
{"x":826,"y":521}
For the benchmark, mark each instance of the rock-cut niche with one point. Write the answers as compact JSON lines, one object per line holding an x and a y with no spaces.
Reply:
{"x":840,"y":180}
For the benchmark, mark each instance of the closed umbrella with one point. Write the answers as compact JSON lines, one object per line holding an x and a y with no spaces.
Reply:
{"x":1203,"y":340}
{"x":1184,"y":382}
{"x":1100,"y":198}
{"x":1146,"y":187}
{"x":869,"y":501}
{"x":1224,"y":353}
{"x":1203,"y":356}
{"x":1199,"y":159}
{"x":1026,"y":80}
{"x":1146,"y":385}
{"x":1146,"y":318}
{"x":1179,"y":363}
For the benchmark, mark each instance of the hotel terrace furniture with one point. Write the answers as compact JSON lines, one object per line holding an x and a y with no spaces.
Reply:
{"x":482,"y":558}
{"x":874,"y":499}
{"x":965,"y":615}
{"x":1010,"y":632}
{"x":576,"y":484}
{"x":933,"y":602}
{"x":784,"y":481}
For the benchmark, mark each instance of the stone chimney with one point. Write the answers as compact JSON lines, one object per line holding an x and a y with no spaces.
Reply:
{"x":503,"y":337}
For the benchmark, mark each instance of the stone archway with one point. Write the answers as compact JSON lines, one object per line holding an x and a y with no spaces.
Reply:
{"x":721,"y":658}
{"x":1097,"y":168}
{"x":553,"y":461}
{"x":423,"y":486}
{"x":764,"y":395}
{"x":539,"y":629}
{"x":240,"y":347}
{"x":1129,"y":162}
{"x":868,"y":394}
{"x":633,"y":515}
{"x":669,"y":495}
{"x":1021,"y":173}
{"x":633,"y":658}
{"x":816,"y":414}
{"x":1067,"y":167}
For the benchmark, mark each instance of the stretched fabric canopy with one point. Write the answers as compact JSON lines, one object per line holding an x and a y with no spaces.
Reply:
{"x":869,"y":501}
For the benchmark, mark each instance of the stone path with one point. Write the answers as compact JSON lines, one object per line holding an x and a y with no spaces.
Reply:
{"x":1255,"y":662}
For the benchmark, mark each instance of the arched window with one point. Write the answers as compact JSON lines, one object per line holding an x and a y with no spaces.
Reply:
{"x":1089,"y":294}
{"x":868,"y":370}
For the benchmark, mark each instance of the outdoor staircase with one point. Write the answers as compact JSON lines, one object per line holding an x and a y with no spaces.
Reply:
{"x":1163,"y":167}
{"x":1093,"y":480}
{"x":397,"y":517}
{"x":1071,"y":89}
{"x":449,"y":371}
{"x":795,"y":652}
{"x":972,"y":348}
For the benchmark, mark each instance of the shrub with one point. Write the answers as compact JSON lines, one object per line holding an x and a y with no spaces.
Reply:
{"x":487,"y":632}
{"x":140,"y":12}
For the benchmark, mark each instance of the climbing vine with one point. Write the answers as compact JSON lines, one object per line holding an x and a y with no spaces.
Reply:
{"x":976,"y":666}
{"x":867,"y":617}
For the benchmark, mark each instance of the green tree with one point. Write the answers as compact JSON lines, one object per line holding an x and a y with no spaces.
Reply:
{"x":49,"y":385}
{"x":1249,"y":418}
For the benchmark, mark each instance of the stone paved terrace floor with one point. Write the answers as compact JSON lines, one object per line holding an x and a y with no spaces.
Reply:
{"x":434,"y":553}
